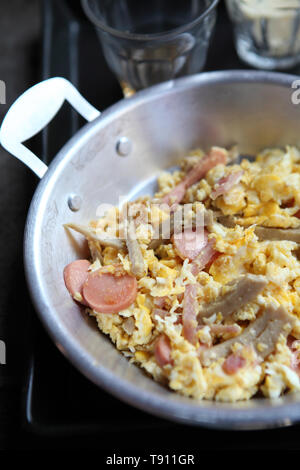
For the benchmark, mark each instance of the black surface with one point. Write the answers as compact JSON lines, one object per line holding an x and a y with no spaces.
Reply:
{"x":71,"y":49}
{"x":19,"y":68}
{"x":59,"y":407}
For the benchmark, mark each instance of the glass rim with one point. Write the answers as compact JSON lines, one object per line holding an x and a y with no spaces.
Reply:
{"x":144,"y":37}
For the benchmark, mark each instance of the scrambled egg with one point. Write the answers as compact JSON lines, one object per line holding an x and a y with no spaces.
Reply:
{"x":268,"y":194}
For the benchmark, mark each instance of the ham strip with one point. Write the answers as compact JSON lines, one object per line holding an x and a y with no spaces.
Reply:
{"x":189,"y":244}
{"x":262,"y":334}
{"x":176,"y":195}
{"x":233,"y":363}
{"x":103,"y":239}
{"x":204,"y":258}
{"x":297,"y":214}
{"x":162,"y":351}
{"x":244,"y":290}
{"x":295,"y":360}
{"x":225,"y":184}
{"x":160,"y":302}
{"x":175,"y":223}
{"x":292,"y":343}
{"x":190,"y":308}
{"x":160,"y":312}
{"x":214,"y":157}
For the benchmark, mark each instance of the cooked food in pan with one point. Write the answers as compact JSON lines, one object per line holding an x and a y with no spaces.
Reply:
{"x":200,"y":284}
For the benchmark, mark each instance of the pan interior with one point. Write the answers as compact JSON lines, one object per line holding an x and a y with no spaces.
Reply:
{"x":252,"y":109}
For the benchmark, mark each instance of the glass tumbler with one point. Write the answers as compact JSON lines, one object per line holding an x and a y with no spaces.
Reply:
{"x":267,"y":32}
{"x":147,"y":42}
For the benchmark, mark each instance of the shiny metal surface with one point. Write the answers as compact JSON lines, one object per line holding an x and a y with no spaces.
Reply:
{"x":253,"y":109}
{"x":74,"y":202}
{"x":124,"y":146}
{"x":33,"y":110}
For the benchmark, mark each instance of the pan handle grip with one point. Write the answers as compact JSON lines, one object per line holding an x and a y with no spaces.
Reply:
{"x":33,"y":110}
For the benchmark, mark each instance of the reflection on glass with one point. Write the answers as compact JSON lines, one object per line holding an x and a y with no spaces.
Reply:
{"x":149,"y":42}
{"x":267,"y":32}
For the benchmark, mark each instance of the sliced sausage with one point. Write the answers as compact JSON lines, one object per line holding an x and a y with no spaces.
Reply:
{"x":108,"y":292}
{"x":214,"y":157}
{"x":225,"y":184}
{"x":162,"y":351}
{"x":75,"y":275}
{"x":190,"y":243}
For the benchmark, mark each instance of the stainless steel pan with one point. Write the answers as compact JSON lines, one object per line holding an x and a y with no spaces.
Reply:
{"x":120,"y":153}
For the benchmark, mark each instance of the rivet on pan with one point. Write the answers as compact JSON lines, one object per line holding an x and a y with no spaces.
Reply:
{"x":123,"y":146}
{"x":74,"y":202}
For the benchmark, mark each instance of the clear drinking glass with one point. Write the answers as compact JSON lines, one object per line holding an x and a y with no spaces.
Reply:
{"x":267,"y":32}
{"x":149,"y":41}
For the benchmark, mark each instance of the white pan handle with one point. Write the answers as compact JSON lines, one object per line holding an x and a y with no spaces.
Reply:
{"x":33,"y":110}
